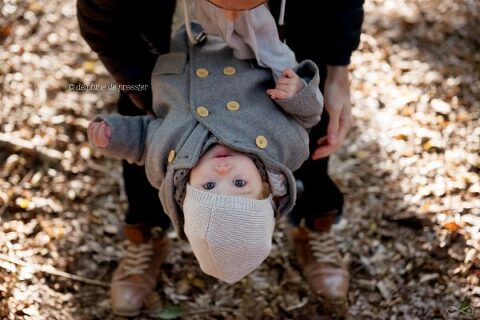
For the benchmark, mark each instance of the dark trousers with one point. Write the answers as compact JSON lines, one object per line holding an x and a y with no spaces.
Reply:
{"x":144,"y":206}
{"x":154,"y":22}
{"x":321,"y":197}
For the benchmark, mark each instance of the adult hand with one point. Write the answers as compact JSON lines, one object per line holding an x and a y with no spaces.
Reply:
{"x":339,"y":108}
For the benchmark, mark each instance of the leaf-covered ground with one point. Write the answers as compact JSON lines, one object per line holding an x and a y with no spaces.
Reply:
{"x":410,"y":170}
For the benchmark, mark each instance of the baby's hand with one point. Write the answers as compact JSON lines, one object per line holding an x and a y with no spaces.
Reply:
{"x":287,"y":86}
{"x":99,"y":133}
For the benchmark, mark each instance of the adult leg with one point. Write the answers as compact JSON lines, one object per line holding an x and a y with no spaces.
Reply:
{"x":300,"y":36}
{"x":318,"y":215}
{"x":319,"y":206}
{"x":321,"y":201}
{"x":144,"y":207}
{"x":136,"y":276}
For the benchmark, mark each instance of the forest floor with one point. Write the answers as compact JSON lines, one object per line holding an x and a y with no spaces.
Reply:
{"x":410,"y":170}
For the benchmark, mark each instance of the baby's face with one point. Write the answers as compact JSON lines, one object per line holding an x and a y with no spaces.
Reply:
{"x":233,"y":8}
{"x":222,"y":170}
{"x":237,"y":5}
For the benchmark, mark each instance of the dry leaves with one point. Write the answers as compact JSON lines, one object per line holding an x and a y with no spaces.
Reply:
{"x":410,"y":170}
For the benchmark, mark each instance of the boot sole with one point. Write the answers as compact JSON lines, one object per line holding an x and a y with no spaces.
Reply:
{"x":126,"y":314}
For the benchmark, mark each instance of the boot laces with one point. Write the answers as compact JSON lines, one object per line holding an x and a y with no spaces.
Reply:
{"x":323,"y":247}
{"x":137,"y":258}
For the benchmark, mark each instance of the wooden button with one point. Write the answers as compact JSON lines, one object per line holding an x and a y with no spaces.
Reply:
{"x":233,"y":105}
{"x":202,"y":72}
{"x":171,"y":156}
{"x":261,"y":142}
{"x":229,"y":71}
{"x":202,"y":111}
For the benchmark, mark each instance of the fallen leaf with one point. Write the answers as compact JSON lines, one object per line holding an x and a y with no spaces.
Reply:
{"x":451,"y":226}
{"x":171,"y":312}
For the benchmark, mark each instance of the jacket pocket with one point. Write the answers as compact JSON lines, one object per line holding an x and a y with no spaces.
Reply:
{"x":170,"y":63}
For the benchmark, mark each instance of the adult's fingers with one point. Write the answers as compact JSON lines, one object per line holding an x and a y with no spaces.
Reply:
{"x":322,"y":147}
{"x":325,"y":146}
{"x":346,"y":122}
{"x":333,"y":122}
{"x":324,"y":151}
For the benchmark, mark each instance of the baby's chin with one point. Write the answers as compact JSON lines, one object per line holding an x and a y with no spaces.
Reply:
{"x":217,"y":150}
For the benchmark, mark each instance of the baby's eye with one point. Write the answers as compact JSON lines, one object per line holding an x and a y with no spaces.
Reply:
{"x":239,"y":183}
{"x":209,"y":185}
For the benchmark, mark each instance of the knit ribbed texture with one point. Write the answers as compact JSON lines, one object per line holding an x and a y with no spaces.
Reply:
{"x":230,"y":236}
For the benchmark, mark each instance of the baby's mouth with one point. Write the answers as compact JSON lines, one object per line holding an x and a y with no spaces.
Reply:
{"x":221,"y":151}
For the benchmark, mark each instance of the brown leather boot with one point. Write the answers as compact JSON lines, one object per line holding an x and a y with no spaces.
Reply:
{"x":136,"y":275}
{"x":323,"y":268}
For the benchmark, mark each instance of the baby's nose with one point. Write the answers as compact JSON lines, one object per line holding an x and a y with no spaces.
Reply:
{"x":222,"y":167}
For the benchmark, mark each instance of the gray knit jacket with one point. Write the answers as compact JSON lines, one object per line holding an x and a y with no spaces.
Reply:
{"x":193,"y":76}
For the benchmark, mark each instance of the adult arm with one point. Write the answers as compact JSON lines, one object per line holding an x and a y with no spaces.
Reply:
{"x":123,"y":35}
{"x":342,"y":36}
{"x":339,"y":109}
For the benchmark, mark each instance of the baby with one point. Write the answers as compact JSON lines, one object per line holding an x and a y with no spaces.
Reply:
{"x":220,"y":151}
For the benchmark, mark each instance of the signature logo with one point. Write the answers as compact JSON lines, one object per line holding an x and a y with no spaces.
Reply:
{"x":463,"y":310}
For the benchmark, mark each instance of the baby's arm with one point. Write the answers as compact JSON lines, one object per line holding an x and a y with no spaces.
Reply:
{"x":99,"y":134}
{"x":306,"y":105}
{"x":122,"y":137}
{"x":288,"y":85}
